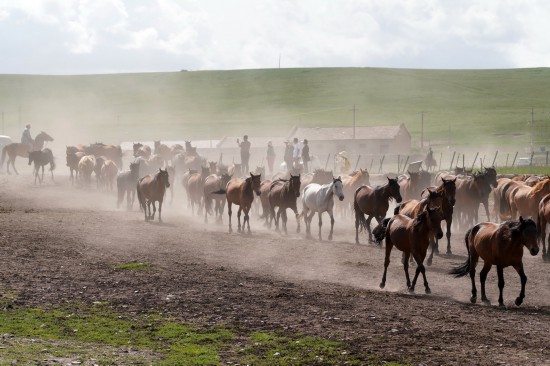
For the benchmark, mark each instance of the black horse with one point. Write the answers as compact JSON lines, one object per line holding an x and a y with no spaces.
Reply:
{"x":41,"y":158}
{"x":126,"y":184}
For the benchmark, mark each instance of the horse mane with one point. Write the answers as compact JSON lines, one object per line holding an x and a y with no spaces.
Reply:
{"x":539,"y":187}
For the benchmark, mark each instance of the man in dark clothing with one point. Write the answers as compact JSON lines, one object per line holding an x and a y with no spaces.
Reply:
{"x":245,"y":154}
{"x":305,"y":156}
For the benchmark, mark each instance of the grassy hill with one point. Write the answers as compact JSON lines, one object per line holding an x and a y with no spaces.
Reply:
{"x":489,"y":107}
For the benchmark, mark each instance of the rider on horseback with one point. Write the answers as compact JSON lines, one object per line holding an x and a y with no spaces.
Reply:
{"x":26,"y":137}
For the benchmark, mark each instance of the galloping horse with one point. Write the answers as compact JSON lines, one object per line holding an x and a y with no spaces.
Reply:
{"x":241,"y":192}
{"x":284,"y":195}
{"x":543,"y":219}
{"x":151,"y":188}
{"x":195,"y":189}
{"x":500,"y":245}
{"x":320,"y":198}
{"x":470,"y":193}
{"x":412,"y":237}
{"x":18,"y":149}
{"x":41,"y":158}
{"x":373,"y":202}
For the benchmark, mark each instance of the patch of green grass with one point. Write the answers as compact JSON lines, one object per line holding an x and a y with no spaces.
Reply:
{"x":133,"y":266}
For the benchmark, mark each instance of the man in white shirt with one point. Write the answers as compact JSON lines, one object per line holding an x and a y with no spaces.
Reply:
{"x":297,"y":152}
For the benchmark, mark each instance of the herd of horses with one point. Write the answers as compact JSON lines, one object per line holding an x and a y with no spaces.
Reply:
{"x":424,"y":201}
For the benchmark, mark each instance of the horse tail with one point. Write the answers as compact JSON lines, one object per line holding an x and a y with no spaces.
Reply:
{"x":504,"y":207}
{"x":140,"y":197}
{"x":358,"y":213}
{"x":4,"y":151}
{"x":379,"y":232}
{"x":208,"y":204}
{"x":465,"y":267}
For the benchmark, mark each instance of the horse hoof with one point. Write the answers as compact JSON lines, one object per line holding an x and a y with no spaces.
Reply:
{"x":486,"y":301}
{"x":473,"y":299}
{"x":382,"y":285}
{"x":411,"y":290}
{"x":449,"y":253}
{"x":356,"y":241}
{"x":429,"y":261}
{"x":500,"y":304}
{"x":428,"y":291}
{"x":330,"y":237}
{"x":519,"y":301}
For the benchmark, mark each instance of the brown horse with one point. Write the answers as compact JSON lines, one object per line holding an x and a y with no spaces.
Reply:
{"x":319,"y":176}
{"x":111,"y":152}
{"x":151,"y":188}
{"x":163,"y":151}
{"x":195,"y":189}
{"x":448,"y":189}
{"x":412,"y":236}
{"x":524,"y":200}
{"x":214,"y":183}
{"x":373,"y":202}
{"x":350,"y":184}
{"x":73,"y":158}
{"x":241,"y":192}
{"x":86,"y":168}
{"x":264,"y":200}
{"x":41,"y":158}
{"x":413,"y":184}
{"x":470,"y":193}
{"x":16,"y":149}
{"x":141,"y":150}
{"x":283,"y":194}
{"x":543,"y":219}
{"x":500,"y":245}
{"x":185,"y":183}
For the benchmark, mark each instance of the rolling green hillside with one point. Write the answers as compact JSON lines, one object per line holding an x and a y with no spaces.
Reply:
{"x":461,"y":107}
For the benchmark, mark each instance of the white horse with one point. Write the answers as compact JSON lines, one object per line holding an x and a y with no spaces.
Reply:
{"x":320,"y":198}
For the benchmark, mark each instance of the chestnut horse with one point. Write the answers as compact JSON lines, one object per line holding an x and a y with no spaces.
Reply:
{"x":350,"y":184}
{"x":411,"y":236}
{"x":373,"y":202}
{"x":524,"y":200}
{"x":41,"y":158}
{"x":283,"y":194}
{"x":151,"y":188}
{"x":18,"y":149}
{"x":543,"y":219}
{"x":111,"y":152}
{"x":500,"y":245}
{"x":241,"y":192}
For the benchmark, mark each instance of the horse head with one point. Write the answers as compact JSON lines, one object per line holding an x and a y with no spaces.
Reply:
{"x":294,"y":184}
{"x":449,"y":187}
{"x":162,"y":176}
{"x":431,"y":217}
{"x":256,"y":180}
{"x":393,"y":187}
{"x":525,"y":230}
{"x":338,"y":188}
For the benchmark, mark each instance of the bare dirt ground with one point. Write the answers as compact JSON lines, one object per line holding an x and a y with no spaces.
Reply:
{"x":59,"y":243}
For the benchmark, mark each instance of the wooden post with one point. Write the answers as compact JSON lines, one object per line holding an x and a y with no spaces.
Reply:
{"x":221,"y":158}
{"x":531,"y":159}
{"x":507,"y":156}
{"x":463,"y":166}
{"x":326,"y":164}
{"x":514,"y":161}
{"x":452,"y":160}
{"x":371,"y":162}
{"x":405,"y":165}
{"x":474,"y":163}
{"x":495,"y":159}
{"x":398,"y":163}
{"x":357,"y":162}
{"x":440,"y":159}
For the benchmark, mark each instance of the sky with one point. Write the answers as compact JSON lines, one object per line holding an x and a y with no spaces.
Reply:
{"x":67,"y":37}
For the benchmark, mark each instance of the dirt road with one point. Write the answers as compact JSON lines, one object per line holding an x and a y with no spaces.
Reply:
{"x":59,"y":244}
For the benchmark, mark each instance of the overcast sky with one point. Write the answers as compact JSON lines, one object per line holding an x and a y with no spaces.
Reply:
{"x":107,"y":36}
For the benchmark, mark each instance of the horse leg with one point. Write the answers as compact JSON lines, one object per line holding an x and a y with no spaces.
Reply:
{"x":500,"y":274}
{"x":406,"y":256}
{"x":389,"y":246}
{"x":145,"y":211}
{"x":239,"y":219}
{"x":449,"y":222}
{"x":247,"y":219}
{"x":160,"y":209}
{"x":320,"y":214}
{"x":154,"y":210}
{"x":357,"y":223}
{"x":420,"y":261}
{"x":13,"y":165}
{"x":523,"y":278}
{"x":283,"y":214}
{"x":369,"y":219}
{"x":297,"y":219}
{"x":486,"y":205}
{"x":483,"y":277}
{"x":331,"y":224}
{"x":229,"y":213}
{"x":42,"y":179}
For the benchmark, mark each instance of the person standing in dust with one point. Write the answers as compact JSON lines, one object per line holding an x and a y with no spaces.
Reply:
{"x":245,"y":154}
{"x":288,"y":155}
{"x":270,"y":156}
{"x":297,"y":153}
{"x":26,"y":138}
{"x":305,"y":156}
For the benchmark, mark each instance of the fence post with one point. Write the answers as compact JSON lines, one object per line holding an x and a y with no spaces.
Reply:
{"x":514,"y":161}
{"x":357,"y":162}
{"x":452,"y":160}
{"x":495,"y":159}
{"x":326,"y":164}
{"x":398,"y":163}
{"x":371,"y":162}
{"x":381,"y":163}
{"x":440,"y":160}
{"x":405,"y":165}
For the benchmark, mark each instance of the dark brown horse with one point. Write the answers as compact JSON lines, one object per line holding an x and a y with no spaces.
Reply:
{"x":195,"y":189}
{"x":16,"y":149}
{"x":264,"y":200}
{"x":41,"y":158}
{"x":373,"y":202}
{"x":500,"y":245}
{"x":470,"y":193}
{"x":151,"y":188}
{"x":284,"y":194}
{"x":241,"y":192}
{"x":214,"y":183}
{"x":413,"y":184}
{"x":448,"y":189}
{"x":73,"y":158}
{"x":412,"y":237}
